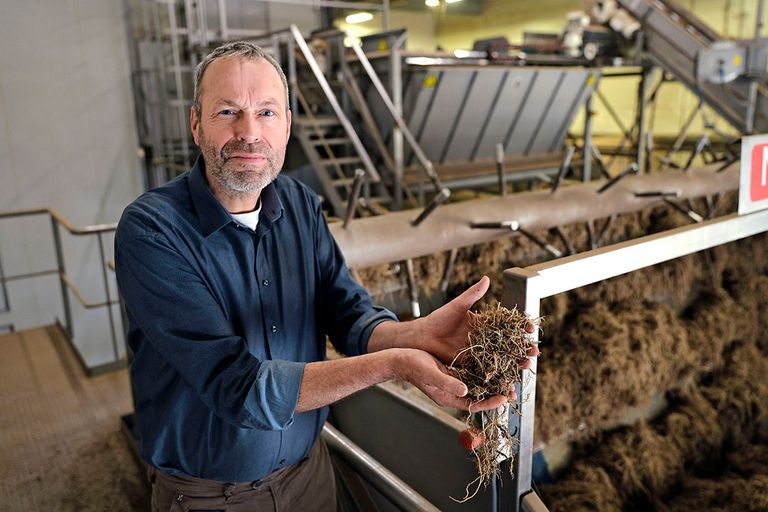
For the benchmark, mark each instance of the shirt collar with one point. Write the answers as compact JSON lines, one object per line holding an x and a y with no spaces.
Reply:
{"x":212,"y":215}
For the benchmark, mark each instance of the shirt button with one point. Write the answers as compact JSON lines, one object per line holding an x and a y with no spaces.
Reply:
{"x":265,"y":282}
{"x":282,"y":461}
{"x":274,"y":328}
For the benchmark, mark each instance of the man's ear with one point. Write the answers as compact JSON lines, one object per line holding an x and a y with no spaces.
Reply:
{"x":194,"y":124}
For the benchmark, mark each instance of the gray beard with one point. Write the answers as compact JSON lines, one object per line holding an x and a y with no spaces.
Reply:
{"x":241,"y":178}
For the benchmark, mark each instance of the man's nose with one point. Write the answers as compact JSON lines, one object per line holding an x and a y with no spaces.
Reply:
{"x":248,"y":129}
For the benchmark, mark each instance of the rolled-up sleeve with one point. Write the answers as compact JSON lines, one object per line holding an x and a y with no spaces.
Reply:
{"x":346,"y":304}
{"x":173,"y":309}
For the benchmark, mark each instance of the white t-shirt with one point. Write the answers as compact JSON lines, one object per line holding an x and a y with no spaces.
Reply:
{"x":248,"y":219}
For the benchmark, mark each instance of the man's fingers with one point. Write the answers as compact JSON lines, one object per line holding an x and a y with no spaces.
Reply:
{"x":527,"y":363}
{"x":471,"y":439}
{"x":489,"y":403}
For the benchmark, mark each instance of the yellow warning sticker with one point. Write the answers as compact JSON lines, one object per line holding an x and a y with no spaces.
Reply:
{"x":430,"y":81}
{"x":737,"y":60}
{"x":591,"y":80}
{"x":382,"y":45}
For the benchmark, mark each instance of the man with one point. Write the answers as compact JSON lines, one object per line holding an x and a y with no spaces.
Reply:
{"x":231,"y":282}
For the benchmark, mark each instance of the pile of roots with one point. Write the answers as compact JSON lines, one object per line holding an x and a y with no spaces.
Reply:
{"x":499,"y":340}
{"x":693,"y":330}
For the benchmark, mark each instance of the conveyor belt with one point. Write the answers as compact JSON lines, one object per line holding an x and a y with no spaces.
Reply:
{"x":674,"y":37}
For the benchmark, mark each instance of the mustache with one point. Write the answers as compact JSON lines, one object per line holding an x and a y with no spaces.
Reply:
{"x":238,"y":147}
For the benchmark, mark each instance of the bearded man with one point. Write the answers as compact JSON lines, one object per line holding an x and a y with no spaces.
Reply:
{"x":231,"y":282}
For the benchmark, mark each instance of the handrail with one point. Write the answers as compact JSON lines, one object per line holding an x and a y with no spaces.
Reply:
{"x":325,"y":86}
{"x":66,"y":285}
{"x":400,"y":123}
{"x":87,"y":230}
{"x":382,"y":479}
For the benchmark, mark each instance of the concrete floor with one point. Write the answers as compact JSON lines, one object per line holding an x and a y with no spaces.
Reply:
{"x":61,"y":448}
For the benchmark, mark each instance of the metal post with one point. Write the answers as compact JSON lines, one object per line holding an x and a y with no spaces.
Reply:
{"x":413,"y":289}
{"x":759,"y":19}
{"x":354,"y":197}
{"x":642,"y":103}
{"x":6,"y":304}
{"x":517,"y":293}
{"x":500,"y":169}
{"x":587,"y":172}
{"x":62,"y":273}
{"x":396,"y":86}
{"x":109,"y":297}
{"x":292,"y":77}
{"x":385,"y":15}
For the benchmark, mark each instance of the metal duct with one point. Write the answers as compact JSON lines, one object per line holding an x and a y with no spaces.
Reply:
{"x":389,"y":238}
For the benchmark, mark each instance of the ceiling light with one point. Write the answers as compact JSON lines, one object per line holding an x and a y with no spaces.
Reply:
{"x":452,"y":1}
{"x":432,"y":3}
{"x":359,"y":17}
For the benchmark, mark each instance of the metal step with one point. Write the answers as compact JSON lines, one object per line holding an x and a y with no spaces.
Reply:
{"x":334,"y":141}
{"x":319,"y":121}
{"x":341,"y":160}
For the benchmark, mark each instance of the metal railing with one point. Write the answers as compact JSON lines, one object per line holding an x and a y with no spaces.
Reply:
{"x":67,"y":286}
{"x":526,"y":287}
{"x":382,"y":479}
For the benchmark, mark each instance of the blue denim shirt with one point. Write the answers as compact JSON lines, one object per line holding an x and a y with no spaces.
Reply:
{"x":222,"y":320}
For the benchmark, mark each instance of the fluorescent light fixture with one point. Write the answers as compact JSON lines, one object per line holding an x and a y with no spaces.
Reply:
{"x":452,"y":1}
{"x":462,"y":53}
{"x":432,"y":3}
{"x":359,"y":17}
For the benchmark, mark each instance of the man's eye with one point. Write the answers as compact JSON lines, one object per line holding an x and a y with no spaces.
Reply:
{"x":227,"y":112}
{"x":268,"y":113}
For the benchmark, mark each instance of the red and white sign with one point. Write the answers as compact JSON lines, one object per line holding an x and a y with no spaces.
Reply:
{"x":753,"y":184}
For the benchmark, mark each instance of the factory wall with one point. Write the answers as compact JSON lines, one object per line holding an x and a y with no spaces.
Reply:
{"x":67,"y":141}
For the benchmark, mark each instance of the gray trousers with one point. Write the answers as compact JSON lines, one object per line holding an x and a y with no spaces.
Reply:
{"x":306,"y":486}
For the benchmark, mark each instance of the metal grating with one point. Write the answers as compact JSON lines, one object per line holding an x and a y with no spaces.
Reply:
{"x":60,"y":442}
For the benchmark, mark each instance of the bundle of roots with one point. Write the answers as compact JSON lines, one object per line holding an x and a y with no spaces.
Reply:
{"x":499,"y":341}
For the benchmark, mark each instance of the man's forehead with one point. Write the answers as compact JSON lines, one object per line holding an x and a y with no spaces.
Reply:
{"x":234,"y":76}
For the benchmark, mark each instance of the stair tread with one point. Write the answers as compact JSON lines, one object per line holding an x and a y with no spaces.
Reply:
{"x":341,"y":160}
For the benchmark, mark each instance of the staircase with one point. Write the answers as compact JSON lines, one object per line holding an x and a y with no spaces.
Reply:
{"x":337,"y":131}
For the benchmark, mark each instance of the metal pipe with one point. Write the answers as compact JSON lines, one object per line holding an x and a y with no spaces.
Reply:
{"x":450,"y":260}
{"x":700,"y":145}
{"x":564,"y":167}
{"x":566,"y":241}
{"x":413,"y":289}
{"x":600,"y":162}
{"x":3,"y":279}
{"x":62,"y":276}
{"x":382,"y":479}
{"x":396,"y":87}
{"x":388,"y":238}
{"x":632,"y":169}
{"x":399,"y":121}
{"x":354,"y":197}
{"x":109,"y":298}
{"x":432,"y":206}
{"x":688,"y":212}
{"x":500,"y":169}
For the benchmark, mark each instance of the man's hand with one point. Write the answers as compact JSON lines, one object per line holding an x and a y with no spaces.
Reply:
{"x":445,"y":331}
{"x":435,"y":380}
{"x":442,"y":333}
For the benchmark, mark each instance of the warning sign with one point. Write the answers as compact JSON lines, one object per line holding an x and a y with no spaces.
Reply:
{"x":753,"y":184}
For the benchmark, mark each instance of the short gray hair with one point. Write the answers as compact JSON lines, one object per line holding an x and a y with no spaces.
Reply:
{"x":240,"y":49}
